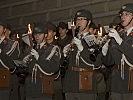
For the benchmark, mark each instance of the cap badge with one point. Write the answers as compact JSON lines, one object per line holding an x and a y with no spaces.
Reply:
{"x":78,"y":13}
{"x":124,"y":7}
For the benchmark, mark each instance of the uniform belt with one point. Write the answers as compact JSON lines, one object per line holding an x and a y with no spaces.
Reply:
{"x":79,"y":69}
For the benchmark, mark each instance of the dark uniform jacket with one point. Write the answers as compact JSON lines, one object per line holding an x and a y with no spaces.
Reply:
{"x":48,"y":63}
{"x":120,"y":74}
{"x":63,"y":42}
{"x":10,"y":48}
{"x":71,"y":82}
{"x":10,"y":52}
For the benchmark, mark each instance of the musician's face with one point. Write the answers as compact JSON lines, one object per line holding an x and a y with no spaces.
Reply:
{"x":7,"y":33}
{"x":2,"y":30}
{"x":50,"y":35}
{"x":126,"y":17}
{"x":62,"y":32}
{"x":39,"y":38}
{"x":81,"y":22}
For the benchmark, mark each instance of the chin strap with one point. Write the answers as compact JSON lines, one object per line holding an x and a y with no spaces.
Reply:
{"x":129,"y":21}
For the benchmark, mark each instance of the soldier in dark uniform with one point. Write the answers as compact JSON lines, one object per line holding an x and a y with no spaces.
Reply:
{"x":80,"y":81}
{"x":93,"y":28}
{"x":40,"y":82}
{"x":9,"y":52}
{"x":119,"y":53}
{"x":64,"y":38}
{"x":50,"y":40}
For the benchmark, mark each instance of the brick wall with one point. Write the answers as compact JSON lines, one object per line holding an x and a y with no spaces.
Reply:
{"x":21,"y":12}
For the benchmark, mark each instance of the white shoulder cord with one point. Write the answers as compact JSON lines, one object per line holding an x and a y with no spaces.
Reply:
{"x":77,"y":60}
{"x":53,"y":52}
{"x":123,"y":60}
{"x":7,"y":67}
{"x":4,"y":64}
{"x":10,"y":51}
{"x":12,"y":48}
{"x":59,"y":73}
{"x":34,"y":72}
{"x":18,"y":50}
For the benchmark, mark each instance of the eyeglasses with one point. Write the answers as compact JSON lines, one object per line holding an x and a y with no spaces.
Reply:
{"x":80,"y":19}
{"x":126,"y":14}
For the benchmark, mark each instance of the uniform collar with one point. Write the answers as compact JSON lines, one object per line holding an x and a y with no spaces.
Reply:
{"x":83,"y":35}
{"x":1,"y":39}
{"x":129,"y":30}
{"x":41,"y":44}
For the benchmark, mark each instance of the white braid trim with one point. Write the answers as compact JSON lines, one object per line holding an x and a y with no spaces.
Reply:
{"x":87,"y":63}
{"x":7,"y":67}
{"x":13,"y":70}
{"x":12,"y":48}
{"x":123,"y":60}
{"x":43,"y":71}
{"x":77,"y":58}
{"x":4,"y":64}
{"x":57,"y":76}
{"x":18,"y":50}
{"x":34,"y":72}
{"x":52,"y":53}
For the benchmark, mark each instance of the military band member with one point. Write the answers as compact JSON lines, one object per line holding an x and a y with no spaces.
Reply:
{"x":50,"y":40}
{"x":63,"y":40}
{"x":40,"y":82}
{"x":119,"y":52}
{"x":9,"y":52}
{"x":80,"y":81}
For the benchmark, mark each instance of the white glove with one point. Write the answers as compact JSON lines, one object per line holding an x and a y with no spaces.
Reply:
{"x":35,"y":54}
{"x":105,"y":48}
{"x":78,"y":44}
{"x":113,"y":33}
{"x":66,"y":49}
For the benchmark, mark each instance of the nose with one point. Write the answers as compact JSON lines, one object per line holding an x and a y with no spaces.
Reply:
{"x":78,"y":23}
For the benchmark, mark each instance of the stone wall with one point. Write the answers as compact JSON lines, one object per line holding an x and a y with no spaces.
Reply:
{"x":21,"y":12}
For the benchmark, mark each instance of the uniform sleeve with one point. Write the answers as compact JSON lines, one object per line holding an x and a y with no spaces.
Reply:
{"x":127,"y":48}
{"x":7,"y":61}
